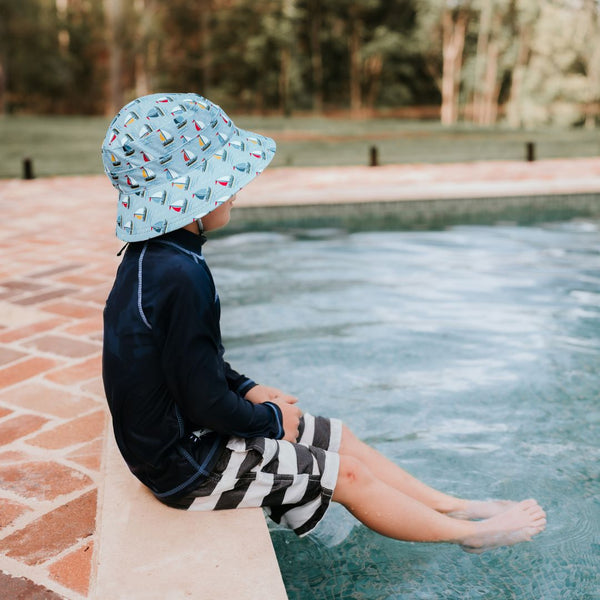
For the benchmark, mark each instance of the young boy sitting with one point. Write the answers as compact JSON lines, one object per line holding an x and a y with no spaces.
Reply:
{"x":197,"y":433}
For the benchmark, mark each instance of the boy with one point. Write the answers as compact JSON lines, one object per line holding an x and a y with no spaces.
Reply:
{"x":199,"y":434}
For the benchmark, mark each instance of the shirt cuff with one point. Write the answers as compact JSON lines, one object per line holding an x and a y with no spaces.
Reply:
{"x":278,"y":418}
{"x":245,"y":387}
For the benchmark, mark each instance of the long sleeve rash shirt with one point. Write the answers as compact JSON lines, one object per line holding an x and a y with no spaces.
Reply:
{"x":174,"y":400}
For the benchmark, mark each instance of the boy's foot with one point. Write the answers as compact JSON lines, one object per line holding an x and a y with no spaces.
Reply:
{"x":517,"y":524}
{"x":481,"y":509}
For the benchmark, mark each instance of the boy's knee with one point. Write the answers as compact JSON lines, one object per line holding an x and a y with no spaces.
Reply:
{"x":352,"y":472}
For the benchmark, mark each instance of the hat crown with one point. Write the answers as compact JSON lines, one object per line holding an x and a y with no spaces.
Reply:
{"x":174,"y":158}
{"x":158,"y":137}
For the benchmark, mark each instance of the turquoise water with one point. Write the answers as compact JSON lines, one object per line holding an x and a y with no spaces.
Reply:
{"x":470,"y":356}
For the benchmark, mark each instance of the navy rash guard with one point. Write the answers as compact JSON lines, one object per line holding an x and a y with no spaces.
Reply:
{"x":174,"y":400}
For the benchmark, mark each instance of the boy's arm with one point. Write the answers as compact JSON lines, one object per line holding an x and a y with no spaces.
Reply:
{"x":237,"y":382}
{"x":192,"y":361}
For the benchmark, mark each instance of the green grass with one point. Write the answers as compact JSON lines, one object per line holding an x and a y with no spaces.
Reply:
{"x":71,"y":145}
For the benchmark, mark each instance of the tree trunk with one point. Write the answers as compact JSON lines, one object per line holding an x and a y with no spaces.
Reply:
{"x":205,"y":47}
{"x":63,"y":38}
{"x":374,"y":67}
{"x":284,"y":80}
{"x":3,"y":90}
{"x":593,"y":64}
{"x":144,"y":10}
{"x":481,"y":56}
{"x":4,"y":66}
{"x":285,"y":71}
{"x":453,"y":38}
{"x":489,"y":103}
{"x":316,"y":55}
{"x":354,"y":48}
{"x":114,"y":18}
{"x":514,"y":112}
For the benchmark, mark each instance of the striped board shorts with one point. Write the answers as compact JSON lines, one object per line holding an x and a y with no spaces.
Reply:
{"x":292,"y":482}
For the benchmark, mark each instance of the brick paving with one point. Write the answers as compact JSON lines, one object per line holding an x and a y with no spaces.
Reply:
{"x":58,"y":257}
{"x":58,"y":261}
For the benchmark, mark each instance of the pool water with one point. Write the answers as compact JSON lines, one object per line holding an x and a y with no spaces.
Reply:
{"x":470,"y":356}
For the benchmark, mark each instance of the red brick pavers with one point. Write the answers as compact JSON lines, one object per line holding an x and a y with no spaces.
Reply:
{"x":58,"y":261}
{"x":58,"y":258}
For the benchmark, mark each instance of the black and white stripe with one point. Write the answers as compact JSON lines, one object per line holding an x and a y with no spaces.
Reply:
{"x":294,"y":483}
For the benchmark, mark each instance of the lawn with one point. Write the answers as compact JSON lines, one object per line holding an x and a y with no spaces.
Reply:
{"x":71,"y":145}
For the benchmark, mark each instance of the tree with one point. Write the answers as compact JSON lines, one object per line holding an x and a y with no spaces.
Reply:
{"x":442,"y":35}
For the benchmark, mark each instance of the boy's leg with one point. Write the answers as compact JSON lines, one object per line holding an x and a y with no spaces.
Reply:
{"x":396,"y":477}
{"x":395,"y":514}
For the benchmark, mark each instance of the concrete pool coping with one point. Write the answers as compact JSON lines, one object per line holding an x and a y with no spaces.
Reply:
{"x":59,"y":261}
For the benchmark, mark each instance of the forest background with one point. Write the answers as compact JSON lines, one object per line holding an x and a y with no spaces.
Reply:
{"x":525,"y":63}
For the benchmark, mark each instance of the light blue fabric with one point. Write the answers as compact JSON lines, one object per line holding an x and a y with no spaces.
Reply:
{"x":174,"y":158}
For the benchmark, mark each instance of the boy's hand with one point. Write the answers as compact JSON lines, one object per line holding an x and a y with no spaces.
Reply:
{"x":263,"y":393}
{"x":291,"y":418}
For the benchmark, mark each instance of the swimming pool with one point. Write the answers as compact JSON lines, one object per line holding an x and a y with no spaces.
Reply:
{"x":470,"y":356}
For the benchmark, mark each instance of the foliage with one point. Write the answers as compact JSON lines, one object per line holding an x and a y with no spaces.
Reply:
{"x":529,"y":61}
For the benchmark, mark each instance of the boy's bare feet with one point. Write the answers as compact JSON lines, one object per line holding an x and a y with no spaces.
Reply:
{"x":481,"y":509}
{"x":517,"y":524}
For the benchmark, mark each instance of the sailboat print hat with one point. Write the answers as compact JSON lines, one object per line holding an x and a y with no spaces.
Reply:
{"x":174,"y":158}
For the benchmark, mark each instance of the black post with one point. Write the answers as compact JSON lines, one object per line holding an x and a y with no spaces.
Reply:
{"x":28,"y":168}
{"x":373,"y":157}
{"x":530,"y":151}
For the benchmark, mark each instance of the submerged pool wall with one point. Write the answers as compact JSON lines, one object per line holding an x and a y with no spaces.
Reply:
{"x":419,"y":214}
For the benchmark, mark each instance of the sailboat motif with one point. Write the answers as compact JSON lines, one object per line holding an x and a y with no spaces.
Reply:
{"x":238,"y":145}
{"x":244,"y":167}
{"x":159,"y":226}
{"x":144,"y":131}
{"x":154,"y":113}
{"x":179,"y":205}
{"x":203,"y":194}
{"x":189,"y":157}
{"x":126,"y":142}
{"x":131,"y":182}
{"x":171,"y":174}
{"x":148,"y":174}
{"x":179,"y":121}
{"x":130,"y":119}
{"x":221,"y":154}
{"x":204,"y":142}
{"x":181,"y":182}
{"x":165,"y":137}
{"x":158,"y":197}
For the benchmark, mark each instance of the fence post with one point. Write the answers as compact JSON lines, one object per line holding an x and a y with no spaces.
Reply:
{"x":28,"y":168}
{"x":530,"y":151}
{"x":373,"y":157}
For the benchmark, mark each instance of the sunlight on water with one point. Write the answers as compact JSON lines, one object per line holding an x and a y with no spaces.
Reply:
{"x":470,"y":356}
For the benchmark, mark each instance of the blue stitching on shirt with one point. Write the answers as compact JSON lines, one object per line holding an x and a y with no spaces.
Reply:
{"x":196,"y":257}
{"x":244,"y":386}
{"x":281,"y":431}
{"x":140,"y":309}
{"x":180,"y":421}
{"x":201,"y":469}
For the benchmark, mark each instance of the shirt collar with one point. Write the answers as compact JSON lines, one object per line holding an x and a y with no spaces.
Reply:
{"x":187,"y":239}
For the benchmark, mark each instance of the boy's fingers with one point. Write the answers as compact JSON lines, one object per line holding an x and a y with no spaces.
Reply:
{"x":287,"y":399}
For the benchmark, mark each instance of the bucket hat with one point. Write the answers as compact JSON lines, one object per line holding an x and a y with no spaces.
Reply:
{"x":173,"y":159}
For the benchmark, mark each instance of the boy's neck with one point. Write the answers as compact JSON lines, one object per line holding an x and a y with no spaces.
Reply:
{"x":194,"y":227}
